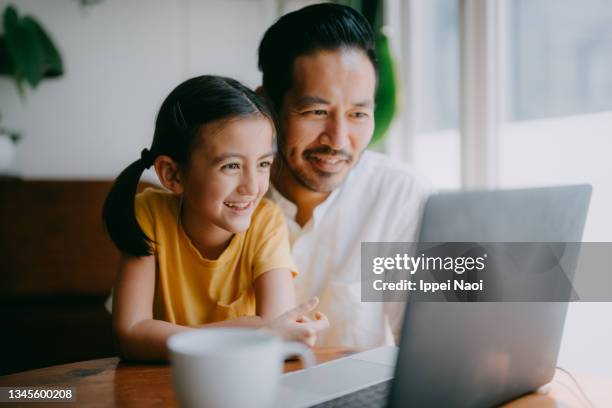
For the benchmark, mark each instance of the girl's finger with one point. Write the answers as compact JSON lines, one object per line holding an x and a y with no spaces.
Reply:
{"x":303,"y":319}
{"x":318,"y":325}
{"x":301,"y":310}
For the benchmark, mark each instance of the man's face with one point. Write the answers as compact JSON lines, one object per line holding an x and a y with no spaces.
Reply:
{"x":327,"y":117}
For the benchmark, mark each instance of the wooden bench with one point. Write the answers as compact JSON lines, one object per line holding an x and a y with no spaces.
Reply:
{"x":57,"y":266}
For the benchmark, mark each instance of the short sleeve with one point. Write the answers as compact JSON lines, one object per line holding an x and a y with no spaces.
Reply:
{"x":272,"y":242}
{"x":143,"y":208}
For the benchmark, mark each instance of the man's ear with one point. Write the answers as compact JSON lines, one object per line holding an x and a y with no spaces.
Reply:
{"x":169,"y":175}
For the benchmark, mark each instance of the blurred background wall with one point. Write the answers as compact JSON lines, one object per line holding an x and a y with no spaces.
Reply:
{"x":553,"y":109}
{"x":121,"y":59}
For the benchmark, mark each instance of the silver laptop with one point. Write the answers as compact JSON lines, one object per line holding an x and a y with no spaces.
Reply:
{"x":461,"y":354}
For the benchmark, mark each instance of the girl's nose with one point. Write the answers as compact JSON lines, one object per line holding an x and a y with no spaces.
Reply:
{"x":248,"y":184}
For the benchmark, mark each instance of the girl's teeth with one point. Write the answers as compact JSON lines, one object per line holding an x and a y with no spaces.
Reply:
{"x":238,"y":206}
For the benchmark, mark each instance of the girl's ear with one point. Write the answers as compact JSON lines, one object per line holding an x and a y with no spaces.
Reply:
{"x":168,"y":172}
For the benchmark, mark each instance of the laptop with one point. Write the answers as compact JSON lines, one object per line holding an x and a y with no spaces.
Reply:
{"x":461,"y":354}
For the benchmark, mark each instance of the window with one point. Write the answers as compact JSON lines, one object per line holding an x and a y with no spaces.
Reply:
{"x":548,"y":113}
{"x":426,"y":38}
{"x":558,"y":124}
{"x":561,"y":57}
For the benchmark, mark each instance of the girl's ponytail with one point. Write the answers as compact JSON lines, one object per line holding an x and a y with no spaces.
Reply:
{"x":118,"y":212}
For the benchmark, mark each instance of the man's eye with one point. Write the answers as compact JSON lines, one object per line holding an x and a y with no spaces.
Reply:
{"x":360,"y":115}
{"x":316,"y":112}
{"x":231,"y":166}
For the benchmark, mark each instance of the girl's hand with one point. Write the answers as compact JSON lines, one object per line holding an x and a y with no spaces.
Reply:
{"x":294,"y":325}
{"x":311,"y":340}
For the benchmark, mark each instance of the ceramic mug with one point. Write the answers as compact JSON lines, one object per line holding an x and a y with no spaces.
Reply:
{"x":230,"y":367}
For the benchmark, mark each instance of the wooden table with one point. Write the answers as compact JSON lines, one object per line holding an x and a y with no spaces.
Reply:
{"x":110,"y":383}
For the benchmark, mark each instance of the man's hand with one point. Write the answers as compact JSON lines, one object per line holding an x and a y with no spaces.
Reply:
{"x":295,"y":325}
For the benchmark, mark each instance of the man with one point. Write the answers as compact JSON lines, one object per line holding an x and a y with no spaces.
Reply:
{"x":319,"y":73}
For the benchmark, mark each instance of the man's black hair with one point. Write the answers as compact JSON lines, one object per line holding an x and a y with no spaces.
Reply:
{"x":313,"y":28}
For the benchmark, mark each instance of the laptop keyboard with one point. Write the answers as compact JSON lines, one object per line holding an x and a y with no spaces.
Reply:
{"x":374,"y":396}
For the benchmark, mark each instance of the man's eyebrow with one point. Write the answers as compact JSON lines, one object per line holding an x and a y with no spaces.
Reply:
{"x":311,"y":100}
{"x":317,"y":100}
{"x":365,"y":104}
{"x":230,"y":155}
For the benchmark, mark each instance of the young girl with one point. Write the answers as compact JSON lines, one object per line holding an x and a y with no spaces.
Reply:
{"x":210,"y":251}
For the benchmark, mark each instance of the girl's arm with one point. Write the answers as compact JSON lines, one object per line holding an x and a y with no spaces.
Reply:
{"x":274,"y":293}
{"x":137,"y":334}
{"x":140,"y":337}
{"x":275,"y":298}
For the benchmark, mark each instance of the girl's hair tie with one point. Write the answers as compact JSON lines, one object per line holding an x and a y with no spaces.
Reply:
{"x":147,"y":158}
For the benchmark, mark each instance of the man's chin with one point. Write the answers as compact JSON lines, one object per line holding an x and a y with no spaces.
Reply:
{"x":322,"y":183}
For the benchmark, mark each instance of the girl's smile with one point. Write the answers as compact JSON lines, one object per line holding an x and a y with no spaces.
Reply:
{"x":240,"y":207}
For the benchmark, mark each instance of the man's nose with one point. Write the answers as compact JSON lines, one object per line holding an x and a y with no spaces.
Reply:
{"x":335,"y":134}
{"x":248,"y":183}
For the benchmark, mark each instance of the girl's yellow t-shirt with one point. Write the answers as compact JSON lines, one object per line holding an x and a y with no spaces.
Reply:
{"x":191,"y":290}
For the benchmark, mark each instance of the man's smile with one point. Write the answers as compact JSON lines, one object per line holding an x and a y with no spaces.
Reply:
{"x":329,"y":163}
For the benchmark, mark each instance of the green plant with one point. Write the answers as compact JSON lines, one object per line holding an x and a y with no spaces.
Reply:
{"x":27,"y":53}
{"x":11,"y":134}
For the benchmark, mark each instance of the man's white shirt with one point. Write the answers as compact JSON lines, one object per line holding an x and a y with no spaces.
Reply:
{"x":380,"y":200}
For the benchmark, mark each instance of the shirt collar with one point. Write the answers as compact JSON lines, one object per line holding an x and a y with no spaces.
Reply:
{"x":289,"y":208}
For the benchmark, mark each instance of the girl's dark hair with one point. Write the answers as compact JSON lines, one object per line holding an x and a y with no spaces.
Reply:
{"x":313,"y":28}
{"x":194,"y":103}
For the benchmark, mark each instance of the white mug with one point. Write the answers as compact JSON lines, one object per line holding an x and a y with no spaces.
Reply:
{"x":230,"y":367}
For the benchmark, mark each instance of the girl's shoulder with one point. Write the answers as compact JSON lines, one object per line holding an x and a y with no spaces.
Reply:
{"x":155,"y":196}
{"x":267,"y":209}
{"x":154,"y":200}
{"x":266,"y":216}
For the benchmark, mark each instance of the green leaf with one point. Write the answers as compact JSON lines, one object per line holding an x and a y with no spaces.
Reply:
{"x":10,"y":19}
{"x":386,"y":101}
{"x":52,"y":66}
{"x":6,"y":64}
{"x":14,"y":53}
{"x":27,"y":51}
{"x":33,"y":66}
{"x":22,"y":46}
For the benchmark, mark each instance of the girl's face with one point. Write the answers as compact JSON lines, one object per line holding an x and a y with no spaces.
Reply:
{"x":228,"y":173}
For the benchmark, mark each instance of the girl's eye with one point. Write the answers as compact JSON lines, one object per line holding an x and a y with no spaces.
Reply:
{"x":265,"y":164}
{"x":231,"y":166}
{"x":360,"y":115}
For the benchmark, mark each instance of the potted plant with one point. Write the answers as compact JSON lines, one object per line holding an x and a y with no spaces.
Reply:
{"x":28,"y":55}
